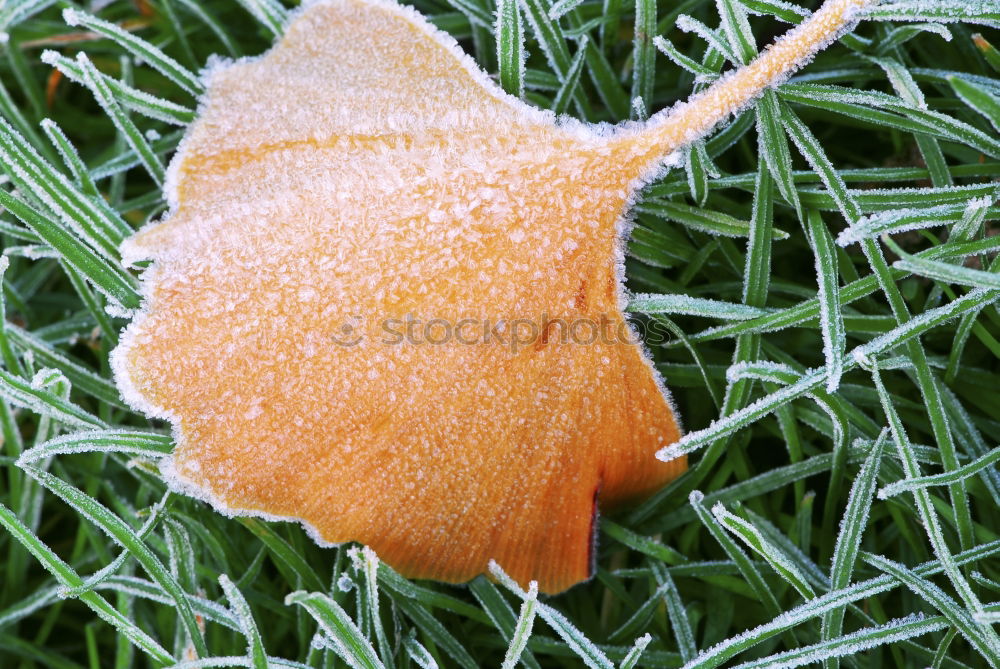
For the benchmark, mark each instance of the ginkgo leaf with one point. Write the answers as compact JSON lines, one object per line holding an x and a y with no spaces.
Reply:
{"x":387,"y":299}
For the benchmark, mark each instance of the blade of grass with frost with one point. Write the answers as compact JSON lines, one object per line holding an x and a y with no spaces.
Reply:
{"x":10,"y":360}
{"x":870,"y":107}
{"x":819,"y":161}
{"x":970,"y":436}
{"x":127,"y":159}
{"x":138,"y":101}
{"x":561,"y":102}
{"x":692,"y":25}
{"x":654,"y":549}
{"x":667,"y":48}
{"x":269,"y":13}
{"x":640,"y":616}
{"x":644,"y":52}
{"x":905,"y":86}
{"x":100,"y":228}
{"x":704,"y":220}
{"x":139,"y":48}
{"x":129,"y":442}
{"x":790,"y":547}
{"x":635,"y":653}
{"x":420,"y":655}
{"x":723,"y":651}
{"x":900,"y":220}
{"x":753,"y":538}
{"x":345,"y":637}
{"x":500,"y":613}
{"x":963,"y":472}
{"x":648,"y":303}
{"x":736,"y":554}
{"x":591,"y":655}
{"x":213,"y":24}
{"x":125,"y":536}
{"x":737,"y":29}
{"x":931,"y":523}
{"x":851,"y":644}
{"x":852,"y":528}
{"x":95,"y":82}
{"x":39,"y":599}
{"x":757,"y":268}
{"x":553,"y":44}
{"x":68,"y":578}
{"x":437,"y":632}
{"x":785,"y":375}
{"x":510,"y":47}
{"x":562,"y":7}
{"x":287,"y":559}
{"x":71,"y":158}
{"x":809,"y":309}
{"x":698,"y":167}
{"x":680,"y":626}
{"x":966,"y":11}
{"x":180,"y":552}
{"x":960,"y":618}
{"x":25,"y":394}
{"x":95,"y":580}
{"x":391,"y":580}
{"x":522,"y":630}
{"x":901,"y":334}
{"x":248,"y":626}
{"x":774,"y":147}
{"x":94,"y":304}
{"x":946,"y":272}
{"x":985,"y":582}
{"x":369,"y":565}
{"x":903,"y":34}
{"x":831,"y":320}
{"x":143,"y":589}
{"x":16,"y":12}
{"x":109,"y":279}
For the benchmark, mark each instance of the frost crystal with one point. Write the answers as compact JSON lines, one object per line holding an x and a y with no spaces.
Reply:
{"x":362,"y":174}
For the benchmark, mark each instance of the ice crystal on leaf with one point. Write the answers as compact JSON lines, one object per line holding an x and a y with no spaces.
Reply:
{"x":364,"y":174}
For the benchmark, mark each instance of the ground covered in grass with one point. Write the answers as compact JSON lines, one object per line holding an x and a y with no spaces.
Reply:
{"x":837,"y":377}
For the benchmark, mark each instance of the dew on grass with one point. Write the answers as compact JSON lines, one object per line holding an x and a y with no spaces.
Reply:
{"x":365,"y":174}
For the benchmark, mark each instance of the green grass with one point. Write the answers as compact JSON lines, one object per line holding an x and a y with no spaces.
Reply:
{"x":837,"y":373}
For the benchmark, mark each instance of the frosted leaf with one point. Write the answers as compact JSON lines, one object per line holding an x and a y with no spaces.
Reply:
{"x":364,"y":172}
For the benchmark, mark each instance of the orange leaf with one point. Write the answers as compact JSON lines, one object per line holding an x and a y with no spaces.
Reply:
{"x":335,"y":196}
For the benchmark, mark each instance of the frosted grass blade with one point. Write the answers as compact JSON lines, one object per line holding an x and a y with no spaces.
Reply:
{"x":135,"y":443}
{"x":68,"y":578}
{"x":964,"y":472}
{"x":522,"y":630}
{"x":255,"y":646}
{"x":96,"y":83}
{"x":648,"y":303}
{"x":340,"y":630}
{"x":961,"y":619}
{"x":509,"y":32}
{"x":125,"y":536}
{"x":852,"y":527}
{"x":132,"y":98}
{"x":852,"y":644}
{"x":138,"y":47}
{"x":757,"y":542}
{"x":830,"y":317}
